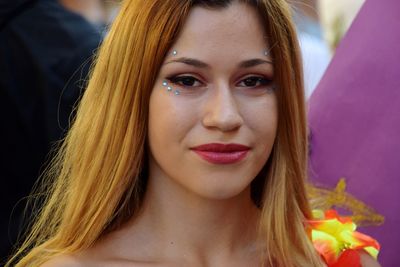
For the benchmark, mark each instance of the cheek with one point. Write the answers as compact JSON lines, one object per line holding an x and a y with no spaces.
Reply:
{"x":266,"y":126}
{"x":262,"y":119}
{"x":169,"y":120}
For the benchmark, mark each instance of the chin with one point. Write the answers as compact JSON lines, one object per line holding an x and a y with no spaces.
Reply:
{"x":223,"y":190}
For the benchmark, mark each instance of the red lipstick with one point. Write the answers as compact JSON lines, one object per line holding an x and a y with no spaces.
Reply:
{"x":222,"y":153}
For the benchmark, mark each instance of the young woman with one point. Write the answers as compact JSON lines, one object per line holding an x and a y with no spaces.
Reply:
{"x":189,"y":146}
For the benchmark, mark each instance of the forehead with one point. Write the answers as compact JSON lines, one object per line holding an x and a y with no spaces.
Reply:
{"x":230,"y":30}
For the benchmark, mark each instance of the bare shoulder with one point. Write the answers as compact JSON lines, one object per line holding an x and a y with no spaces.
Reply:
{"x":368,"y":261}
{"x":64,"y":261}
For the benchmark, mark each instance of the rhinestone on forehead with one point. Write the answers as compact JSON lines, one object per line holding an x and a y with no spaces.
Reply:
{"x":164,"y":83}
{"x":174,"y":52}
{"x":177,"y":92}
{"x":169,"y":88}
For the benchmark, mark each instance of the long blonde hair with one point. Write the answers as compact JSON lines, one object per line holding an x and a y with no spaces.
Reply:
{"x":98,"y":178}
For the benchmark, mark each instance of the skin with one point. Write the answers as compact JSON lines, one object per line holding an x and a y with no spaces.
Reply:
{"x":196,"y":213}
{"x":221,"y":106}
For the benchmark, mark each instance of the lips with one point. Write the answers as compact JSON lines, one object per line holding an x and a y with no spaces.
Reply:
{"x":222,"y":153}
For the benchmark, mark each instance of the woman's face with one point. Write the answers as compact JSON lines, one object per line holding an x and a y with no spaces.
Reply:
{"x":213,"y":109}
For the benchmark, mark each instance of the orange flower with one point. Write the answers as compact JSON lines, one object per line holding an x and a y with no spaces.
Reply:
{"x":332,"y":235}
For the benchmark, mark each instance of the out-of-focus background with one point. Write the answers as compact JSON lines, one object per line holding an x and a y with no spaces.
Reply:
{"x":321,"y":25}
{"x":46,"y":49}
{"x":336,"y":18}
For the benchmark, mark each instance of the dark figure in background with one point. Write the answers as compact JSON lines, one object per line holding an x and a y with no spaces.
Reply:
{"x":45,"y":54}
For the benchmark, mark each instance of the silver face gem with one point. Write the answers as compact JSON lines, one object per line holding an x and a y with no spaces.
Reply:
{"x":177,"y":92}
{"x":169,"y":88}
{"x":164,"y":83}
{"x":174,"y":52}
{"x":266,"y":53}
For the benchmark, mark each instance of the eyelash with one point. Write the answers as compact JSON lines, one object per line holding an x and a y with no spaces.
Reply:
{"x":179,"y":80}
{"x":262,"y":81}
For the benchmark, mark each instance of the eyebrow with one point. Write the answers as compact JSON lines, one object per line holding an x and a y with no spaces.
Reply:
{"x":200,"y":64}
{"x":253,"y":62}
{"x":190,"y":61}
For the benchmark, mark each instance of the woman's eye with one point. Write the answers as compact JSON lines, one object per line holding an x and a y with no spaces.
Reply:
{"x":187,"y":81}
{"x":254,"y":81}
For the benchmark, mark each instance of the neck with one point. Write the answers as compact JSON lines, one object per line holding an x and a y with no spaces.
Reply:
{"x":185,"y":226}
{"x":91,"y":10}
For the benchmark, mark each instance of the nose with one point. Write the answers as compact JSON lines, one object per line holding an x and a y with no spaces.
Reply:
{"x":222,"y":111}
